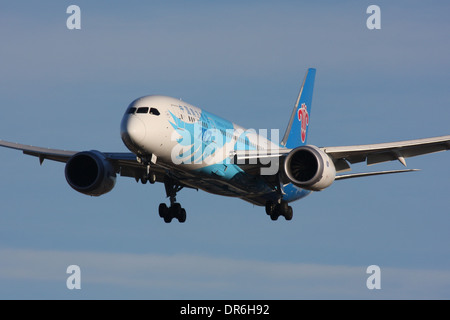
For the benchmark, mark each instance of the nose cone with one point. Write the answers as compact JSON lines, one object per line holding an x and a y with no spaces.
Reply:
{"x":132,"y":130}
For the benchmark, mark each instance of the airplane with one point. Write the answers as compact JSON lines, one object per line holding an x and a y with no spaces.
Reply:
{"x":183,"y":146}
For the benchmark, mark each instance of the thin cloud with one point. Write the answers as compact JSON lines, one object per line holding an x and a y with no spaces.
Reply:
{"x":213,"y":277}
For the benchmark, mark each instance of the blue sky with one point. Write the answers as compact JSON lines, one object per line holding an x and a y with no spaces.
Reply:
{"x":244,"y":61}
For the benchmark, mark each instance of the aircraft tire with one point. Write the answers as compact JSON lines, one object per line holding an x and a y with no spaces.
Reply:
{"x":152,"y":178}
{"x":182,"y":217}
{"x":270,"y":207}
{"x":163,"y":210}
{"x":289,"y":214}
{"x":175,"y":209}
{"x":282,"y":208}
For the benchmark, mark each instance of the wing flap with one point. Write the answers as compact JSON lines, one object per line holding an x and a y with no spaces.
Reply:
{"x":241,"y":156}
{"x":367,"y":174}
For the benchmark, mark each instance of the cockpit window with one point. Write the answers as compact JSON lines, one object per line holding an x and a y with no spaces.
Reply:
{"x":131,"y":110}
{"x":142,"y":110}
{"x":154,"y":111}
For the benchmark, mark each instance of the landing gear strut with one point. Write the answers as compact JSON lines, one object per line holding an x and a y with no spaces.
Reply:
{"x":175,"y":210}
{"x":274,"y":210}
{"x":150,"y":176}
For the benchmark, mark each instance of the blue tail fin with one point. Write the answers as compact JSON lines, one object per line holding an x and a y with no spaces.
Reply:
{"x":297,"y":129}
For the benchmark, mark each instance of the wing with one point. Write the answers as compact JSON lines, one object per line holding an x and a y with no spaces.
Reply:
{"x":342,"y":157}
{"x":125,"y":163}
{"x":382,"y":152}
{"x":41,"y":153}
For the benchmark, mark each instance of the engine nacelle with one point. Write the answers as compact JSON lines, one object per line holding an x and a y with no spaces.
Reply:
{"x":90,"y":173}
{"x":309,"y":168}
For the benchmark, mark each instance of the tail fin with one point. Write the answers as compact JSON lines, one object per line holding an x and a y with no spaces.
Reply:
{"x":297,"y":129}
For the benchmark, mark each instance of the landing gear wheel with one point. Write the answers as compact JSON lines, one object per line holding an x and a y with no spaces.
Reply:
{"x":280,"y":209}
{"x":178,"y":212}
{"x":152,"y":177}
{"x":270,"y":207}
{"x":289,"y":214}
{"x":182,"y":216}
{"x":175,"y":210}
{"x":163,"y":210}
{"x":165,"y":213}
{"x":274,"y":216}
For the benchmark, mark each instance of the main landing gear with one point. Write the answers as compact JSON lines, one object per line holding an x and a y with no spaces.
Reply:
{"x":274,"y":210}
{"x":175,"y":210}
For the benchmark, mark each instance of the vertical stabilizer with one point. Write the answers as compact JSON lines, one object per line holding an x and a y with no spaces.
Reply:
{"x":297,"y":129}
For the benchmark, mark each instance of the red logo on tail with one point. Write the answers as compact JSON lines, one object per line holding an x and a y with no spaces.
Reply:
{"x":303,"y":117}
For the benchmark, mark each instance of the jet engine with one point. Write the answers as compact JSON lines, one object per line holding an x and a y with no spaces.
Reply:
{"x":90,"y":173}
{"x":309,"y":168}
